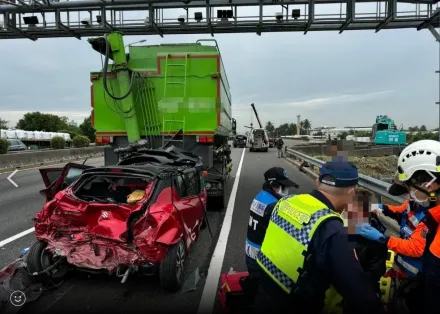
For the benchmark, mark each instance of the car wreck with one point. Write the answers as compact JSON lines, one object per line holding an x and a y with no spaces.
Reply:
{"x":140,"y":216}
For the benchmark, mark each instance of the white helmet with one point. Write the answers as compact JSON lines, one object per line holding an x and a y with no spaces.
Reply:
{"x":421,"y":155}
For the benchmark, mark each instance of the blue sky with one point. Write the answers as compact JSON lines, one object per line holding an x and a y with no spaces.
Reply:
{"x":331,"y":79}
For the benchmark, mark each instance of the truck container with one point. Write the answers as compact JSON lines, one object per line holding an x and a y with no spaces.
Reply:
{"x":162,"y":95}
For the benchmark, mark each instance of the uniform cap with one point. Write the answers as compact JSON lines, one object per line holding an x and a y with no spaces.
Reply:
{"x":344,"y":174}
{"x":279,"y":175}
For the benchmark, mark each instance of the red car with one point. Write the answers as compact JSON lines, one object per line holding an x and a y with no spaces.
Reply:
{"x":142,"y":215}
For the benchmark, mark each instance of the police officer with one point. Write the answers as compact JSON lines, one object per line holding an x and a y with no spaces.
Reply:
{"x":306,"y":251}
{"x":276,"y":185}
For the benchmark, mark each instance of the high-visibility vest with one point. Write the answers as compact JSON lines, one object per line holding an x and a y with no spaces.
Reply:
{"x":291,"y":228}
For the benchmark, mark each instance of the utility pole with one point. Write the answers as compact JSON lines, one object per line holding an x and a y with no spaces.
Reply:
{"x":437,"y":38}
{"x":298,"y":128}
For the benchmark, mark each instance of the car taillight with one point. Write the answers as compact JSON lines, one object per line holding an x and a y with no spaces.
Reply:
{"x":205,"y":139}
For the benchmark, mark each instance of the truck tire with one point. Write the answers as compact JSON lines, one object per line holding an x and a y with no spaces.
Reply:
{"x":218,"y":203}
{"x":172,"y":268}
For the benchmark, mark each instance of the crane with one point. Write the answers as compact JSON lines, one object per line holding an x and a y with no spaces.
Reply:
{"x":256,"y":114}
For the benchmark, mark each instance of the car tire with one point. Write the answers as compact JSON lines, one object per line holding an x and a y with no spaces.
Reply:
{"x":266,"y":150}
{"x":172,"y":268}
{"x":38,"y":259}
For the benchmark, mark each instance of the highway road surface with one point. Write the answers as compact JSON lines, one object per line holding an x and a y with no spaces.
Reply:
{"x":86,"y":293}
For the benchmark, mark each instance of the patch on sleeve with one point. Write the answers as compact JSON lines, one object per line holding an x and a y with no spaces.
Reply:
{"x":258,"y":208}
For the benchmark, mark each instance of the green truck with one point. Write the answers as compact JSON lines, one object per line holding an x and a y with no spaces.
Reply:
{"x":165,"y":95}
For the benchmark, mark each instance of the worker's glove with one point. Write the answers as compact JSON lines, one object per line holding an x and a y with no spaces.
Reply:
{"x":370,"y":233}
{"x":376,"y":208}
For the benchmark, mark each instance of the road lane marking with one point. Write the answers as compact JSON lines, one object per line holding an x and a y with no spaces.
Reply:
{"x":10,"y":178}
{"x":16,"y":237}
{"x":215,"y":267}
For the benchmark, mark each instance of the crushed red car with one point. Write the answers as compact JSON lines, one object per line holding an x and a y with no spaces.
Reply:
{"x":140,"y":216}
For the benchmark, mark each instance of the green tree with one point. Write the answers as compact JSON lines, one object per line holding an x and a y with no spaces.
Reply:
{"x":343,"y":135}
{"x":37,"y":121}
{"x":3,"y":124}
{"x":270,"y":128}
{"x":306,"y":125}
{"x":57,"y":142}
{"x":423,"y":128}
{"x":81,"y":141}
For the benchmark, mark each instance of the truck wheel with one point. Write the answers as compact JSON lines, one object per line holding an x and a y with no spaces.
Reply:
{"x":172,"y":268}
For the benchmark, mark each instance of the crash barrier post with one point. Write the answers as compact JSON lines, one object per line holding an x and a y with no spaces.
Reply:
{"x":377,"y":187}
{"x":36,"y":158}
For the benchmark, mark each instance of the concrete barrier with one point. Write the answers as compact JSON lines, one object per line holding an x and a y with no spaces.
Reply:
{"x":11,"y":161}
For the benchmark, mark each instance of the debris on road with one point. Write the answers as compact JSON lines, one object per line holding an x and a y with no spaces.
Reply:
{"x":15,"y":278}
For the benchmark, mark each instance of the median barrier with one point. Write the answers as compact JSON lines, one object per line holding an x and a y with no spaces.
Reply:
{"x":11,"y":161}
{"x":376,"y":186}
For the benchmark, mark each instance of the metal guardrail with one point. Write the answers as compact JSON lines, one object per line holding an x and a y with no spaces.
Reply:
{"x":372,"y":184}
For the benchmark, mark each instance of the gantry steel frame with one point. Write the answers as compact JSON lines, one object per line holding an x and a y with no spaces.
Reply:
{"x":57,"y":20}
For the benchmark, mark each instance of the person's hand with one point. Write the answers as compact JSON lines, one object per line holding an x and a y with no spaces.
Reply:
{"x":368,"y":232}
{"x":376,"y":208}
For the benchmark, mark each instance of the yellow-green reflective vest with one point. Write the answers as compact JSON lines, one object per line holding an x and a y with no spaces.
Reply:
{"x":333,"y":302}
{"x":293,"y":222}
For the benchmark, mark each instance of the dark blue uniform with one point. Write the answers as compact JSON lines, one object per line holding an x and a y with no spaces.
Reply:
{"x":332,"y":262}
{"x":260,"y":212}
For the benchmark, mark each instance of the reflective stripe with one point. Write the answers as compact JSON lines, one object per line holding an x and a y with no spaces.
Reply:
{"x":252,"y":249}
{"x":281,"y":278}
{"x":301,"y":235}
{"x":407,"y":267}
{"x":293,"y":223}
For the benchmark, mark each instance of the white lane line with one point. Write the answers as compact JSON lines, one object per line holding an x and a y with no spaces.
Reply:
{"x":215,"y":267}
{"x":17,"y":236}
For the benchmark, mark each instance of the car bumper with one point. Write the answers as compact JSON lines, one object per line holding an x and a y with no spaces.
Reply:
{"x":100,"y":254}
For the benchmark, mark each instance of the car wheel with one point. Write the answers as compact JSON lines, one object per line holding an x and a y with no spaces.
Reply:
{"x":39,"y":259}
{"x":172,"y":268}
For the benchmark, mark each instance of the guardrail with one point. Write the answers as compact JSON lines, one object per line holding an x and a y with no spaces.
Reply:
{"x":36,"y":158}
{"x":372,"y":184}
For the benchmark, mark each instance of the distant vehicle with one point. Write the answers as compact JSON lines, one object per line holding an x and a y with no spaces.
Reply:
{"x":142,"y":215}
{"x":271,"y":142}
{"x":240,"y":141}
{"x":259,"y":141}
{"x":385,"y":132}
{"x":16,"y":145}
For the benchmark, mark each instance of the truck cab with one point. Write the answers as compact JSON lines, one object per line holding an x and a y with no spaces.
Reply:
{"x":258,"y":140}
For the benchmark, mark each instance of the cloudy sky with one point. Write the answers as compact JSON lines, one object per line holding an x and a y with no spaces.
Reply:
{"x":331,"y":79}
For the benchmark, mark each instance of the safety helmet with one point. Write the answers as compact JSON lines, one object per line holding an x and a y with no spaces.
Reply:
{"x":421,"y":155}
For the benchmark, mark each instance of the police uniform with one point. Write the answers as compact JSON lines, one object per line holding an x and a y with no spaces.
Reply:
{"x":260,"y":213}
{"x":306,"y":250}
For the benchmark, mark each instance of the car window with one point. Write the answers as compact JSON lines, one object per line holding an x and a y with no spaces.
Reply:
{"x":181,"y":186}
{"x":72,"y":175}
{"x":192,"y":183}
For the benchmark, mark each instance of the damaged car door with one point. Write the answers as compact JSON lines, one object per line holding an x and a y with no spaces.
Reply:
{"x":190,"y":203}
{"x":57,"y":179}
